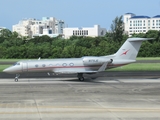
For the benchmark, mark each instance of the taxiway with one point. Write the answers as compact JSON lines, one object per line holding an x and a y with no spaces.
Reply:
{"x":60,"y":98}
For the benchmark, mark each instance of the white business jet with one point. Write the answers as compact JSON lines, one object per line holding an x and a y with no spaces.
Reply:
{"x":86,"y":65}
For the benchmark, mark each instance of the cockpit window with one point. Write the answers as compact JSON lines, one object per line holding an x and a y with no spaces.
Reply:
{"x":17,"y":63}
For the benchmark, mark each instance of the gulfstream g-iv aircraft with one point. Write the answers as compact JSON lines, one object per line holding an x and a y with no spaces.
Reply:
{"x":86,"y":65}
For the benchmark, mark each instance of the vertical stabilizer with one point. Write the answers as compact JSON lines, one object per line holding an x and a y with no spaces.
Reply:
{"x":130,"y":48}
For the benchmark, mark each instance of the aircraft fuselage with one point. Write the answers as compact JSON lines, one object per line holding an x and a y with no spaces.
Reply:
{"x":70,"y":65}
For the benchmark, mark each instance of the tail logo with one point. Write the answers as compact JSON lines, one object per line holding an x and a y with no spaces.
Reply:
{"x":125,"y":53}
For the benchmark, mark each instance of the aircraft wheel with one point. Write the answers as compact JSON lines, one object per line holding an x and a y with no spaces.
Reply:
{"x":81,"y":79}
{"x":16,"y":79}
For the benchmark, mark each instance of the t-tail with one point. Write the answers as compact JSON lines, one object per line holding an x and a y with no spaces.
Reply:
{"x":130,"y":48}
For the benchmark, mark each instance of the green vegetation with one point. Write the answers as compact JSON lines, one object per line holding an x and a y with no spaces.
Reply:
{"x":9,"y":60}
{"x":148,"y":58}
{"x":74,"y":47}
{"x":139,"y":67}
{"x":2,"y":67}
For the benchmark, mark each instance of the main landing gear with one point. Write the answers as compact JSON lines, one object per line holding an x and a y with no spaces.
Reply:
{"x":16,"y":78}
{"x":80,"y":76}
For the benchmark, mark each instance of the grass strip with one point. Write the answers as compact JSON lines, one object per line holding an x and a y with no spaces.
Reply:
{"x":2,"y":67}
{"x":148,"y":58}
{"x":139,"y":67}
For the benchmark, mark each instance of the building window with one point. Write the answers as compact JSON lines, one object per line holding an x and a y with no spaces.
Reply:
{"x":127,"y":19}
{"x":102,"y":33}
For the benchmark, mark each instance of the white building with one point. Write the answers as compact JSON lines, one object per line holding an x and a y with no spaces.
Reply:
{"x":90,"y":31}
{"x":47,"y":32}
{"x":34,"y":27}
{"x":140,"y":24}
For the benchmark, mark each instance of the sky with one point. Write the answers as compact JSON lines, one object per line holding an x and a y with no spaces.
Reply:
{"x":75,"y":13}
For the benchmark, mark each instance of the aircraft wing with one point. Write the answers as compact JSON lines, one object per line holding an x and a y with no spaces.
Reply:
{"x":103,"y":67}
{"x":72,"y":72}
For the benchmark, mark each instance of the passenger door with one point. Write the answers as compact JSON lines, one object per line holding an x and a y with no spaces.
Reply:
{"x":24,"y":67}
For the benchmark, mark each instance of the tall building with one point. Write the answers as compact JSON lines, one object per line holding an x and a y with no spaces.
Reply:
{"x":90,"y":31}
{"x":34,"y":27}
{"x":140,"y":24}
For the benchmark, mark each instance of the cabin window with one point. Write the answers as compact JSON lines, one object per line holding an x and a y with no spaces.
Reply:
{"x":36,"y":65}
{"x":57,"y":64}
{"x":71,"y":64}
{"x":16,"y":64}
{"x":43,"y":65}
{"x":50,"y":65}
{"x":64,"y":64}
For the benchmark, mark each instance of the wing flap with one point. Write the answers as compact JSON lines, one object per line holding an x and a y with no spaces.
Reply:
{"x":72,"y":72}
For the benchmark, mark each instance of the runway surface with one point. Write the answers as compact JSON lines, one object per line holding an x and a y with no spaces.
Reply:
{"x":127,"y":97}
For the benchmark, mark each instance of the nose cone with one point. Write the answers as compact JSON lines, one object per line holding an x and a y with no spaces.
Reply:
{"x":8,"y":70}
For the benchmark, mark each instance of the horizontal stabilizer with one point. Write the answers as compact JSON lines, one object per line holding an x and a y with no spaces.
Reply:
{"x":139,"y":39}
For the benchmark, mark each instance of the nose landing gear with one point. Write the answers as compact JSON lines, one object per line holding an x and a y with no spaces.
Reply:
{"x":16,"y":78}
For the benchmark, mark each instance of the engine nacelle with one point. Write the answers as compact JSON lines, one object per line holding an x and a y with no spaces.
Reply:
{"x":96,"y":60}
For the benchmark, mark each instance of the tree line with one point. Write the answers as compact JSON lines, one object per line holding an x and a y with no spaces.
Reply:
{"x":13,"y":45}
